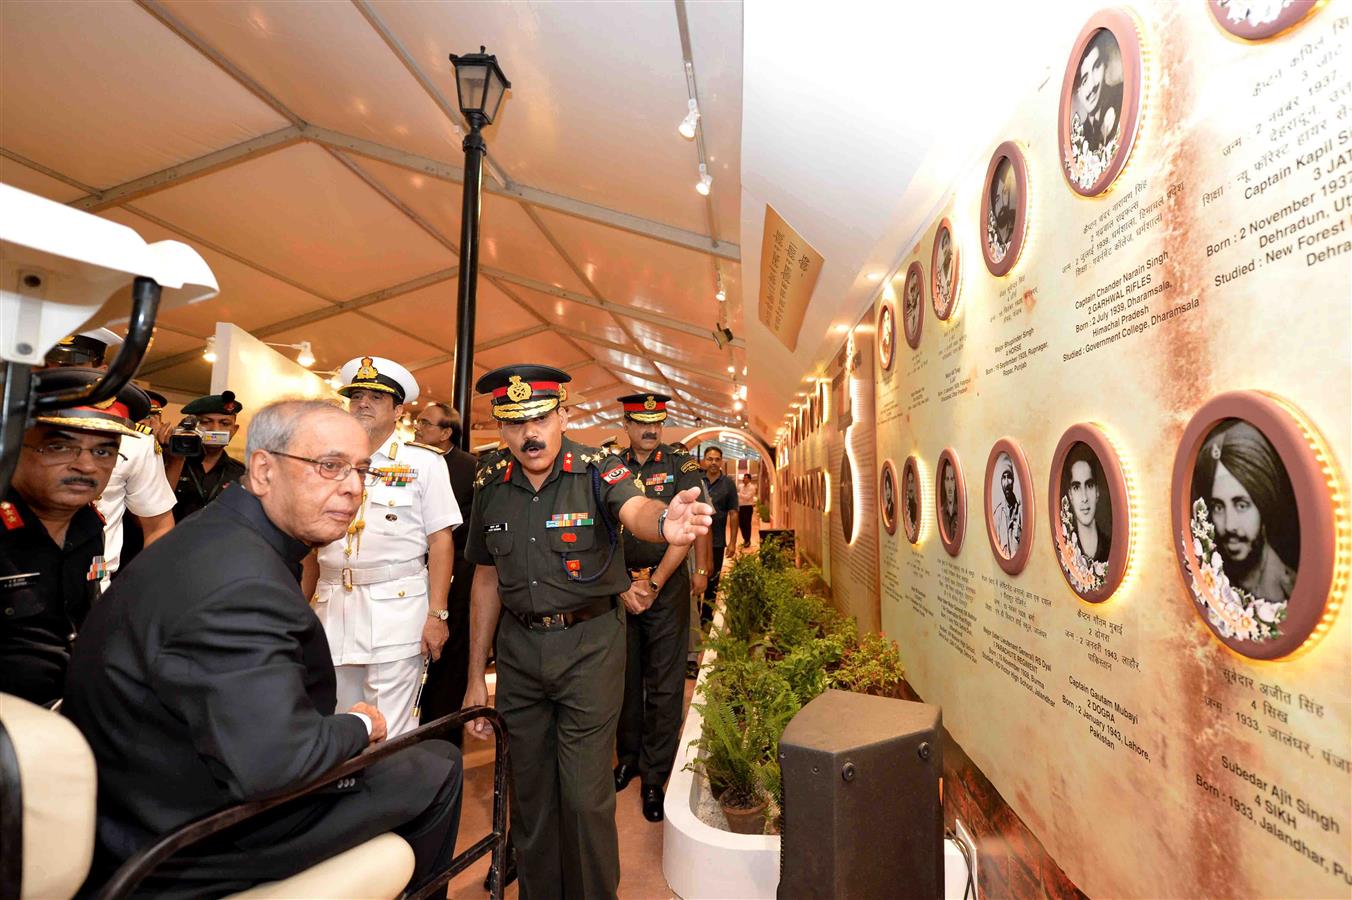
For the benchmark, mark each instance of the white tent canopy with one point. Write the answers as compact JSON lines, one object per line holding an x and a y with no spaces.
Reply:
{"x":311,"y":153}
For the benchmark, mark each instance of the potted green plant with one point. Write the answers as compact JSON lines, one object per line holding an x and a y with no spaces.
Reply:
{"x":732,"y":763}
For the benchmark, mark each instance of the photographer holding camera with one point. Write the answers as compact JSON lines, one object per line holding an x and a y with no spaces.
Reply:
{"x":195,"y":461}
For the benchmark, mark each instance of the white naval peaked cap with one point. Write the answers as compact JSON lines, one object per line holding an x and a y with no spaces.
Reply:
{"x":376,"y":373}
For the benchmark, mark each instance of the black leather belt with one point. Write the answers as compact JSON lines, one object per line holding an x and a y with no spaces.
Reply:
{"x":560,"y":621}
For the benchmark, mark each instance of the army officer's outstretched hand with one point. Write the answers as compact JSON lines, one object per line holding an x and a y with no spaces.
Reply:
{"x":686,"y":518}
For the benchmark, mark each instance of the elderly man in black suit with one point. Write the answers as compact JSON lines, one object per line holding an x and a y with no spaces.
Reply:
{"x":204,"y":679}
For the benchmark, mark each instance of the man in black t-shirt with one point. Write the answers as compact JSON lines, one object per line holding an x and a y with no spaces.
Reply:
{"x":198,"y":480}
{"x":723,"y":498}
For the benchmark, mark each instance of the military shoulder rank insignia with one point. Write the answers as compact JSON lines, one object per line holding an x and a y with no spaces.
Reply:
{"x":616,"y":474}
{"x":9,"y":515}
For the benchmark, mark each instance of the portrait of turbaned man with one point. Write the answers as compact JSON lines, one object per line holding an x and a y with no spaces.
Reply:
{"x":1255,"y":524}
{"x":1241,"y":489}
{"x":1008,"y":509}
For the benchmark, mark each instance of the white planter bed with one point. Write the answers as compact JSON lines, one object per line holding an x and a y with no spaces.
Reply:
{"x":701,"y":862}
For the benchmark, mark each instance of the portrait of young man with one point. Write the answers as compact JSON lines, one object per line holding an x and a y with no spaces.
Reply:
{"x":1090,"y":505}
{"x":1251,"y":503}
{"x":1098,"y":92}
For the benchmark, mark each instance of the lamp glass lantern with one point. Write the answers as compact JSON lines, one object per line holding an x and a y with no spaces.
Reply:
{"x":480,"y":85}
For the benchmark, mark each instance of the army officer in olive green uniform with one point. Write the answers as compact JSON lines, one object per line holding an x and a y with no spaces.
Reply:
{"x":658,"y":603}
{"x":544,"y":534}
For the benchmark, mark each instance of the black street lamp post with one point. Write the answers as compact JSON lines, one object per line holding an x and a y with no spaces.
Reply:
{"x":480,"y":85}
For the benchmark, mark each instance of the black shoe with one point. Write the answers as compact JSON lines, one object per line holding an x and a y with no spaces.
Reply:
{"x":653,"y":795}
{"x":508,"y":877}
{"x":624,"y":773}
{"x":692,"y":670}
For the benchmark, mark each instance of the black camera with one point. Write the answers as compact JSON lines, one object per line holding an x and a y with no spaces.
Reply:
{"x":186,"y":440}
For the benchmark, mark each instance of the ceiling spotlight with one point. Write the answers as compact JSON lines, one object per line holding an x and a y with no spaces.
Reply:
{"x":209,"y":354}
{"x":335,"y":381}
{"x":721,"y":296}
{"x":687,"y":127}
{"x":705,"y":180}
{"x":306,"y":357}
{"x":731,"y":369}
{"x":737,"y":406}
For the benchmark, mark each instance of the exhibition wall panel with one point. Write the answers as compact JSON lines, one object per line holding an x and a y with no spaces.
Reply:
{"x":1112,"y":394}
{"x":850,"y":448}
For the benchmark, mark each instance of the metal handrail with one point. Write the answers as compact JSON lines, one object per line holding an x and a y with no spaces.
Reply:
{"x":139,"y":866}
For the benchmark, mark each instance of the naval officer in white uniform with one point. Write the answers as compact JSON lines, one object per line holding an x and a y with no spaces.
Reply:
{"x":381,"y":590}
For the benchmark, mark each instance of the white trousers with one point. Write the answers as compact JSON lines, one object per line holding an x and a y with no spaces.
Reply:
{"x":391,"y":687}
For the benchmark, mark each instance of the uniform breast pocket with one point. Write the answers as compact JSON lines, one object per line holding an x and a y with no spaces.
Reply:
{"x":572,"y":540}
{"x":499,"y":543}
{"x":390,"y":501}
{"x":19,"y":597}
{"x":399,"y":608}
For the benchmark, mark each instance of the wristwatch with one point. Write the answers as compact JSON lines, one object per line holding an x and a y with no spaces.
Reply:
{"x":441,"y":614}
{"x":656,"y":588}
{"x":702,"y":572}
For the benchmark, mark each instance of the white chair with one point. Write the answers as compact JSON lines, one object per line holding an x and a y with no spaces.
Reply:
{"x":48,"y":786}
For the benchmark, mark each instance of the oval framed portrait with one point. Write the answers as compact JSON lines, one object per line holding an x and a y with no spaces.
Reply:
{"x":1100,"y":102}
{"x":912,"y":499}
{"x":847,"y":498}
{"x":913,"y":303}
{"x":950,"y":501}
{"x":1252,"y":21}
{"x":1254,"y":524}
{"x":1010,"y":505}
{"x":887,"y":497}
{"x":945,"y":273}
{"x":887,"y":335}
{"x":1004,"y":208}
{"x":1089,"y":513}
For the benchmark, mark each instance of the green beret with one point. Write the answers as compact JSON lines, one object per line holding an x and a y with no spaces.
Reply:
{"x":223,"y":403}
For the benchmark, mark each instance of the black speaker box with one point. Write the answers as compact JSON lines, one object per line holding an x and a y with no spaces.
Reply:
{"x":863,"y":816}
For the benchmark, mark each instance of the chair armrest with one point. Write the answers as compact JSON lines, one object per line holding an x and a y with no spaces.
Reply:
{"x":139,"y":866}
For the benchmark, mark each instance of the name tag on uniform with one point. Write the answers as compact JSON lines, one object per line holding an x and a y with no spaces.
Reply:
{"x":14,"y":582}
{"x":568,"y":520}
{"x":397,"y":475}
{"x":495,"y":526}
